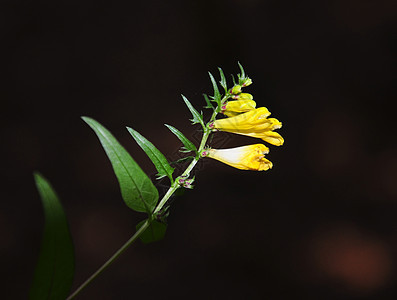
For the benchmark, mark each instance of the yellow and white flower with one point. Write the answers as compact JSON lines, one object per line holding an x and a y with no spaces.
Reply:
{"x":235,"y":107}
{"x":250,"y":157}
{"x":252,"y":123}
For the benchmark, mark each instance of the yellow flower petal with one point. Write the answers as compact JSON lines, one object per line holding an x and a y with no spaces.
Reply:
{"x":270,"y":137}
{"x":233,"y":108}
{"x":243,"y":121}
{"x":253,"y":123}
{"x":250,"y":157}
{"x":266,"y":125}
{"x":243,"y":96}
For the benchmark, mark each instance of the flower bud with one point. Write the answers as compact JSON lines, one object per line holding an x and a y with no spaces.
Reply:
{"x":247,"y":82}
{"x":236,"y":89}
{"x":233,"y":108}
{"x":243,"y":96}
{"x":186,"y":182}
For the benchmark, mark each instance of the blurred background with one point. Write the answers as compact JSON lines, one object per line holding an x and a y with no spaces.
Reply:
{"x":320,"y":225}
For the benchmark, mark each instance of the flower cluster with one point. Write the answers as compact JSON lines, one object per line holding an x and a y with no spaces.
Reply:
{"x":242,"y":117}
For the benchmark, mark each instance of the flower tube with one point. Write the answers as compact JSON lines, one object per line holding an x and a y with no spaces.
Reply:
{"x":233,"y":108}
{"x":252,"y":123}
{"x":243,"y":96}
{"x":250,"y":157}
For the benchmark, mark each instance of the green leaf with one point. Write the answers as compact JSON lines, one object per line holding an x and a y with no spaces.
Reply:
{"x":197,"y":117}
{"x":188,"y":144}
{"x":155,"y":231}
{"x":183,"y":159}
{"x":217,"y":94}
{"x":242,"y":75}
{"x":223,"y":80}
{"x":207,"y":100}
{"x":233,"y":79}
{"x":137,"y":189}
{"x":158,"y":159}
{"x":53,"y":276}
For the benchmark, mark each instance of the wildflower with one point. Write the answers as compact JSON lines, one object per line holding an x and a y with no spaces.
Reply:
{"x":250,"y":157}
{"x":233,"y":108}
{"x":252,"y":123}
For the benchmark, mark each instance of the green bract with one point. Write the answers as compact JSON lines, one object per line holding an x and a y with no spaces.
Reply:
{"x":197,"y":117}
{"x":223,"y":80}
{"x":208,"y":101}
{"x":189,"y":146}
{"x":217,"y":95}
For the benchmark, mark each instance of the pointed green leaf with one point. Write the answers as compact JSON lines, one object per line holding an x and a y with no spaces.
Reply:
{"x":197,"y":117}
{"x":137,"y":189}
{"x":207,"y":100}
{"x":155,"y":231}
{"x":54,"y":272}
{"x":223,"y":80}
{"x":234,"y":80}
{"x":242,"y":78}
{"x":183,"y":159}
{"x":158,"y":159}
{"x":217,"y":94}
{"x":188,"y":144}
{"x":242,"y":75}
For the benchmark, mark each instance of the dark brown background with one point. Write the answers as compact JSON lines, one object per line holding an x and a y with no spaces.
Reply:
{"x":320,"y":225}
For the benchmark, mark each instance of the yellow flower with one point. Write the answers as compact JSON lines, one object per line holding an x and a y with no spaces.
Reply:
{"x":233,"y":108}
{"x":250,"y":157}
{"x":252,"y":123}
{"x":243,"y":96}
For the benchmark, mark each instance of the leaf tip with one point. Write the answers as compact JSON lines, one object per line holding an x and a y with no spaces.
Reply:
{"x":86,"y":119}
{"x":36,"y":174}
{"x":38,"y":177}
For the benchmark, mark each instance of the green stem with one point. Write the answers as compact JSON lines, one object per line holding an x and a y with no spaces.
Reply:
{"x":170,"y":192}
{"x":164,"y":200}
{"x":110,"y":260}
